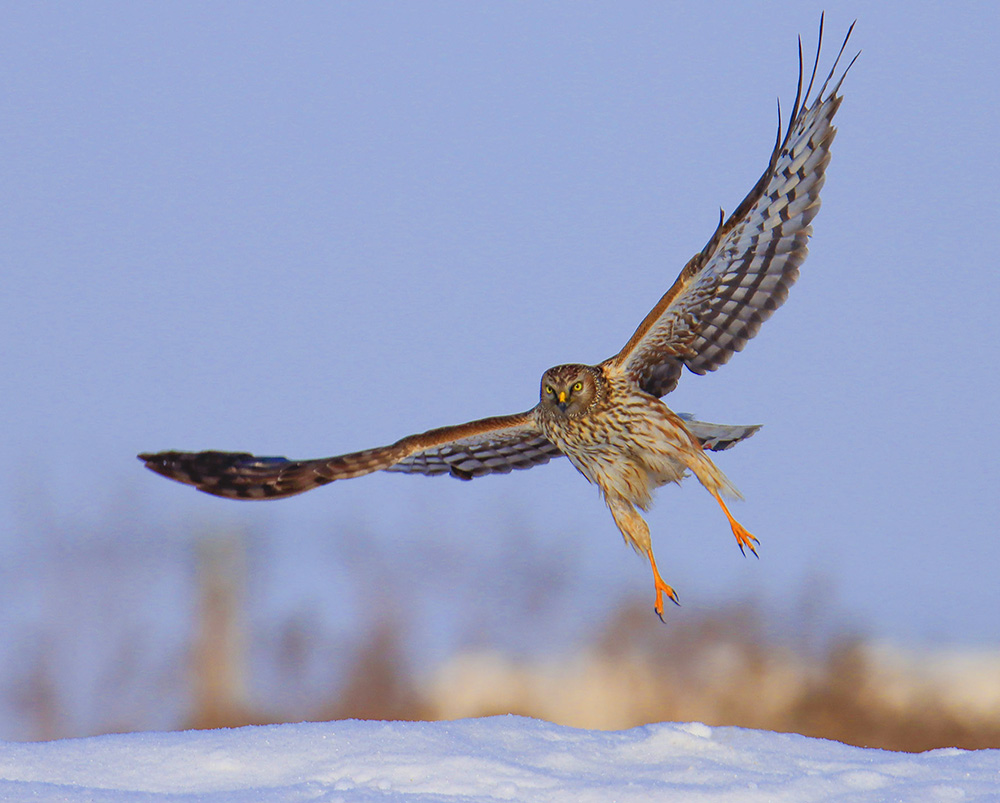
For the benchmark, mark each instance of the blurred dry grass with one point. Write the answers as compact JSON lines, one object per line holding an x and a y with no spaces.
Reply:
{"x":720,"y":667}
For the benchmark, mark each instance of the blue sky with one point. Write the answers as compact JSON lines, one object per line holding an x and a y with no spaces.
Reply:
{"x":307,"y":229}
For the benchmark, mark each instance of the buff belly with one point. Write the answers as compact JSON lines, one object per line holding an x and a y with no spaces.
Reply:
{"x":659,"y":450}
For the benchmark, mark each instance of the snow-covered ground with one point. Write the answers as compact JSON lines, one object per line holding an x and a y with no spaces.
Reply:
{"x":499,"y":758}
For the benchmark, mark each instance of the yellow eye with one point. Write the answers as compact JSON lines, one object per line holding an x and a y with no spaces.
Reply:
{"x":578,"y":386}
{"x":549,"y":390}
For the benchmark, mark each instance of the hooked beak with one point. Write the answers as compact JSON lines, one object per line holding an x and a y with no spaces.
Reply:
{"x":562,"y":400}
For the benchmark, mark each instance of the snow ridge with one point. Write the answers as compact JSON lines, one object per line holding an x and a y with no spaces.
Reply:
{"x":493,"y":759}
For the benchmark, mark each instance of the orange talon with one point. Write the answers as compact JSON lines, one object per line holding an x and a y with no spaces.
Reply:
{"x":743,"y":538}
{"x":661,"y":588}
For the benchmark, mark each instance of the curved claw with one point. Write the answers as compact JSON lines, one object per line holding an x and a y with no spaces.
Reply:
{"x":661,"y":588}
{"x":658,"y":605}
{"x":743,"y":538}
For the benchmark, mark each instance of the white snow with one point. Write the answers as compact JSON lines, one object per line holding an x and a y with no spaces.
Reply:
{"x":497,"y":758}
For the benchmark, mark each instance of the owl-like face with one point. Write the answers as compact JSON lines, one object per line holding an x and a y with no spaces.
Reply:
{"x":569,"y":389}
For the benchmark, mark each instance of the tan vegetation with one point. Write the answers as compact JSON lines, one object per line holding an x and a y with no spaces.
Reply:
{"x":720,"y":667}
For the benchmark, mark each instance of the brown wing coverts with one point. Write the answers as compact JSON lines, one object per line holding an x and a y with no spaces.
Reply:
{"x":497,"y":453}
{"x":742,"y":275}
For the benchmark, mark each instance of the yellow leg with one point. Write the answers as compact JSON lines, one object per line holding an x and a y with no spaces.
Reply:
{"x":635,"y":531}
{"x":661,"y":587}
{"x":743,"y":538}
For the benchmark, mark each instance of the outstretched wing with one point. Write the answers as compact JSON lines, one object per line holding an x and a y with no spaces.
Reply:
{"x":488,"y":446}
{"x":728,"y":290}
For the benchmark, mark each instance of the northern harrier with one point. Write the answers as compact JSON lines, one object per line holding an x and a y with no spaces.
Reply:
{"x":608,"y":418}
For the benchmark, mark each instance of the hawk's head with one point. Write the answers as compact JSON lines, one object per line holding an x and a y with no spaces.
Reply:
{"x":571,"y":389}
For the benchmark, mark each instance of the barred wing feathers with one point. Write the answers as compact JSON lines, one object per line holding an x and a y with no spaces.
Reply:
{"x":512,"y":442}
{"x":742,"y":275}
{"x":490,"y":445}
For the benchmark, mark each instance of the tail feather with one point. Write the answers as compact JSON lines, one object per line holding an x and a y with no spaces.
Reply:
{"x":718,"y":437}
